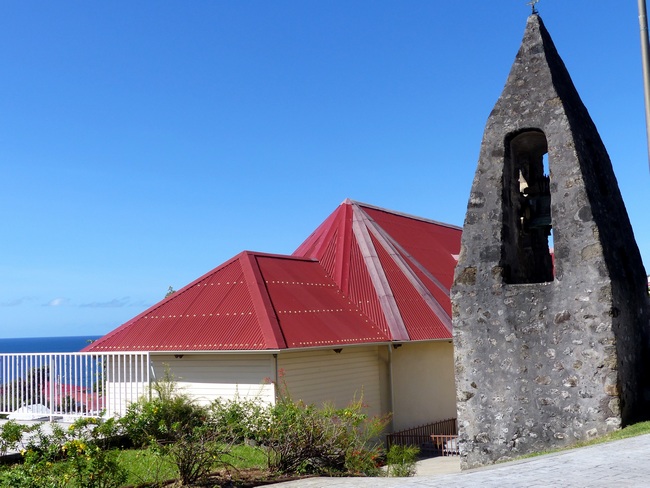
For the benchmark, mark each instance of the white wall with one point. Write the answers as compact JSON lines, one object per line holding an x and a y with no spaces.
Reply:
{"x":423,"y":378}
{"x":321,"y":376}
{"x":209,"y":376}
{"x":423,"y":384}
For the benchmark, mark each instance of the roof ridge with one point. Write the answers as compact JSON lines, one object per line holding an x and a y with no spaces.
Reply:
{"x":268,"y":320}
{"x":385,"y":294}
{"x":400,"y":257}
{"x":401,"y":214}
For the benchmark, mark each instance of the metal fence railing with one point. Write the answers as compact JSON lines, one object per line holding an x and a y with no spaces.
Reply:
{"x":440,"y":438}
{"x":49,"y":385}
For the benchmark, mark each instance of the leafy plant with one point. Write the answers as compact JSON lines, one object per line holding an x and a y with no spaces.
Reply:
{"x":400,"y":460}
{"x":306,"y":439}
{"x":91,"y":463}
{"x":240,"y":420}
{"x":160,"y":418}
{"x":195,"y":451}
{"x":175,"y":426}
{"x":73,"y":458}
{"x":11,"y":435}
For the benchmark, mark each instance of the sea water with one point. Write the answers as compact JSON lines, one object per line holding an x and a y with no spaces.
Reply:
{"x":42,"y":345}
{"x":46,"y":344}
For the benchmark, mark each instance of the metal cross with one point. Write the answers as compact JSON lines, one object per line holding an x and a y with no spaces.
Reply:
{"x":532,"y":3}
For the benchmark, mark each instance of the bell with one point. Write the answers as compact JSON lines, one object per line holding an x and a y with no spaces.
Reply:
{"x":540,"y":211}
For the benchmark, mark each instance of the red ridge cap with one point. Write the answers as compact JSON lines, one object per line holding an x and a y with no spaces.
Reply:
{"x":269,"y":325}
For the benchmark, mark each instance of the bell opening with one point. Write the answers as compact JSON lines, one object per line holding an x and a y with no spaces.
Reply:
{"x":527,"y":221}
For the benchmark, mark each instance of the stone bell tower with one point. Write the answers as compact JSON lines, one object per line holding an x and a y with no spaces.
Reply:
{"x":550,"y":307}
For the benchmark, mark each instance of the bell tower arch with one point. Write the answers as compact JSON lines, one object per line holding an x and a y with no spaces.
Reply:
{"x":527,"y":222}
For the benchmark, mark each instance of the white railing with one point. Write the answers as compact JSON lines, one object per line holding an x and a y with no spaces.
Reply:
{"x":55,"y":385}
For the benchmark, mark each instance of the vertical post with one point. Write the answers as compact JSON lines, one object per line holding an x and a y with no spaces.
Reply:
{"x":52,"y":375}
{"x":645,"y":59}
{"x":276,"y":378}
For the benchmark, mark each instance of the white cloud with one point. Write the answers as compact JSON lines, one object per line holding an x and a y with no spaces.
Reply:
{"x":56,"y":302}
{"x":114,"y":303}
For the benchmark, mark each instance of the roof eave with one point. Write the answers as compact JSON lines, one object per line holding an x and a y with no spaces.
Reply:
{"x":215,"y":351}
{"x":335,"y":346}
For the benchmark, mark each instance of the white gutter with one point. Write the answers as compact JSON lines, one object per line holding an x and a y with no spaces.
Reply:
{"x":212,"y":351}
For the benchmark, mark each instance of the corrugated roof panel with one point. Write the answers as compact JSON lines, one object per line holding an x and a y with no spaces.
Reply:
{"x":311,"y":309}
{"x":432,"y":244}
{"x":343,"y":247}
{"x":313,"y":245}
{"x":162,"y":334}
{"x":213,"y":312}
{"x":437,"y":299}
{"x":328,"y":256}
{"x":362,"y":290}
{"x":440,"y":296}
{"x":328,"y":244}
{"x":420,"y":320}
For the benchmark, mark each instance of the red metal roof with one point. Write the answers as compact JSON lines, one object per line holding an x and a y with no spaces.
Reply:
{"x":310,"y":307}
{"x":254,"y":301}
{"x":366,"y":275}
{"x":397,"y":268}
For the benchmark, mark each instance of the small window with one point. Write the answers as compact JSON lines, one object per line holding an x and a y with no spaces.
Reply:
{"x":527,"y":223}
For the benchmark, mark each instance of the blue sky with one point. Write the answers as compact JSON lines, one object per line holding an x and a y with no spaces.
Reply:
{"x":144,"y":143}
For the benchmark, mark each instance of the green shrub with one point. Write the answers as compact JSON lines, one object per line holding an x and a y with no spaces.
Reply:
{"x":73,"y":458}
{"x":41,"y":461}
{"x":240,"y":419}
{"x":11,"y":434}
{"x":363,"y":439}
{"x":91,"y":463}
{"x":400,"y":460}
{"x":160,"y":418}
{"x":306,"y":439}
{"x":195,"y":452}
{"x":176,"y":427}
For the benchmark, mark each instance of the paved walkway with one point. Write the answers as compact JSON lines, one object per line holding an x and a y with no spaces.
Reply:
{"x":620,"y":464}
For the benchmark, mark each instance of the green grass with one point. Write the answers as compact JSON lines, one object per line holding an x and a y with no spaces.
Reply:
{"x":247,"y":457}
{"x":144,"y":466}
{"x":629,"y":431}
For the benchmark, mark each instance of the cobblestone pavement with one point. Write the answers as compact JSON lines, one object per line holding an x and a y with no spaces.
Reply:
{"x":620,"y":464}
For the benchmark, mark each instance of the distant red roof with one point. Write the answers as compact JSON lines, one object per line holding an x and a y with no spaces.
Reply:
{"x":366,"y":275}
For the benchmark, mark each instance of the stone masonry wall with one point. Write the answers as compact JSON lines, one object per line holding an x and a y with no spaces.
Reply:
{"x":541,"y":365}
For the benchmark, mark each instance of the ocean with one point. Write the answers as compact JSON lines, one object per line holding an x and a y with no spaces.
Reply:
{"x":46,"y":344}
